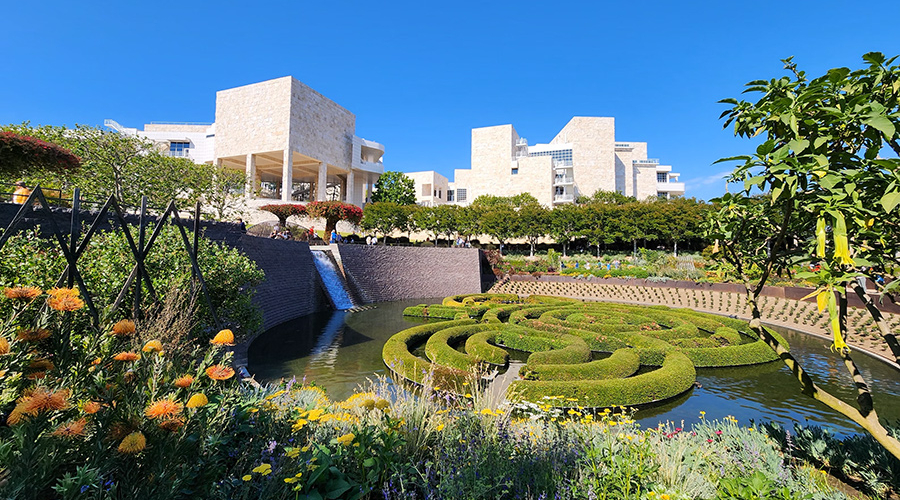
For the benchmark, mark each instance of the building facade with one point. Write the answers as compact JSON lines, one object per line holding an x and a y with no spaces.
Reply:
{"x":582,"y":158}
{"x":292,"y":143}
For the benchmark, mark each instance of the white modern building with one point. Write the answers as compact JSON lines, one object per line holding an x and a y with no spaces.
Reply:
{"x":583,"y":157}
{"x":293,"y":143}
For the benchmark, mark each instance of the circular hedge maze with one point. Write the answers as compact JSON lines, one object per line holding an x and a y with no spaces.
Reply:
{"x":654,"y":349}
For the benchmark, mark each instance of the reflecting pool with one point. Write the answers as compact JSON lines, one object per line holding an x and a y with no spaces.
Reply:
{"x":340,"y":350}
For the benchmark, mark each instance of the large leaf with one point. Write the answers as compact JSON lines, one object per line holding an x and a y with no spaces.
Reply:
{"x":883,"y":124}
{"x":890,"y":201}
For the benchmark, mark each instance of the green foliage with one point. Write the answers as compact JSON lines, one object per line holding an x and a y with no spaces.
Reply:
{"x":229,"y":275}
{"x":394,"y":187}
{"x":285,"y":210}
{"x":384,"y":217}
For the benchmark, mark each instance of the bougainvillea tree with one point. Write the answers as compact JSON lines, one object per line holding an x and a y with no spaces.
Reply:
{"x":334,"y":211}
{"x":284,"y":210}
{"x":21,"y":155}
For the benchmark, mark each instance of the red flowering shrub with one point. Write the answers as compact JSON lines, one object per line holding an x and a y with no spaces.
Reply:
{"x":285,"y":210}
{"x":333,"y":211}
{"x":20,"y":154}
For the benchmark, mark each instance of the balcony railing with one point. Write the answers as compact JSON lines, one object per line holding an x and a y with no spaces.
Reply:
{"x":559,"y":181}
{"x":563,"y":198}
{"x":183,"y":153}
{"x":648,"y":161}
{"x":670,"y":187}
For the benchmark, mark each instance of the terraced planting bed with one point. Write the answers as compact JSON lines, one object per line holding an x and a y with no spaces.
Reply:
{"x":653,"y":351}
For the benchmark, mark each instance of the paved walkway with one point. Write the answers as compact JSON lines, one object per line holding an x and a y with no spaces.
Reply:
{"x":798,"y":315}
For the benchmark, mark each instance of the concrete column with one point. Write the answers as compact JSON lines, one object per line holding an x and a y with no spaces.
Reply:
{"x":322,"y":181}
{"x":250,"y":183}
{"x":351,"y":188}
{"x":287,"y":175}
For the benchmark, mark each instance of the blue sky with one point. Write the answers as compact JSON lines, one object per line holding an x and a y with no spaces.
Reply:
{"x":420,"y":75}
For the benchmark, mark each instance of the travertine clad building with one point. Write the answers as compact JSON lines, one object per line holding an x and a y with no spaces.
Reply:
{"x":292,"y":142}
{"x":582,"y":158}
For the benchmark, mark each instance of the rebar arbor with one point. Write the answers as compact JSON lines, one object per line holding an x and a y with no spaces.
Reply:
{"x":73,"y":246}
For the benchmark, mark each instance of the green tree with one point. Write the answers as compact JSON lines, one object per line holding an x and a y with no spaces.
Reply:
{"x":599,"y":225}
{"x":566,"y":222}
{"x":221,"y":189}
{"x":832,"y":199}
{"x":534,"y":223}
{"x":679,"y":219}
{"x":394,"y":187}
{"x":384,"y":217}
{"x":605,"y":197}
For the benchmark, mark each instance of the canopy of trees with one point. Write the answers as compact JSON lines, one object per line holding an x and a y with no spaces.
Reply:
{"x":21,"y":155}
{"x":394,"y":187}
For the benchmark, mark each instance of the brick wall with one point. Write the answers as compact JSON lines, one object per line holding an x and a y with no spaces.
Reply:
{"x":381,"y":273}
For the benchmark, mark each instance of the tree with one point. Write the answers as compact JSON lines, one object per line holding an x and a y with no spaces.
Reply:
{"x":334,"y":211}
{"x":394,"y":187}
{"x":679,"y":219}
{"x":384,"y":217}
{"x":284,"y":210}
{"x":498,"y":217}
{"x":221,"y":189}
{"x":831,"y":199}
{"x":566,"y":221}
{"x":599,"y":227}
{"x":534,"y":222}
{"x":605,"y":197}
{"x":21,"y":155}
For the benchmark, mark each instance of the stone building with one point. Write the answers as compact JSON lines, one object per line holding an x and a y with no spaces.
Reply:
{"x":582,"y":158}
{"x":293,"y":143}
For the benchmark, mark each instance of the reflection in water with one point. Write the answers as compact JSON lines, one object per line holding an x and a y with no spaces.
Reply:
{"x":340,"y":350}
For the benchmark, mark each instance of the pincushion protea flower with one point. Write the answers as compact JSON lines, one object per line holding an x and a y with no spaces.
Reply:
{"x":127,"y":356}
{"x":91,"y":407}
{"x":133,"y":443}
{"x":224,"y":337}
{"x":4,"y":346}
{"x":153,"y":346}
{"x":71,"y":429}
{"x":22,"y":292}
{"x":123,"y":328}
{"x":219,"y":372}
{"x":32,"y":334}
{"x":184,"y":381}
{"x":163,"y":408}
{"x":64,"y":299}
{"x":197,"y":400}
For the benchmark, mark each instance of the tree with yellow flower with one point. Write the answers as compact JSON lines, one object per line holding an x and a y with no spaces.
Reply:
{"x":829,"y":203}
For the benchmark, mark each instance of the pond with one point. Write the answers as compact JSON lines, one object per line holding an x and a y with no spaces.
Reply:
{"x":340,"y":350}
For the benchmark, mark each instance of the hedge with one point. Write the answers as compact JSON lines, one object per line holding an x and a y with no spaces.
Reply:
{"x":398,"y":358}
{"x":623,"y":363}
{"x":561,"y":334}
{"x":676,"y":376}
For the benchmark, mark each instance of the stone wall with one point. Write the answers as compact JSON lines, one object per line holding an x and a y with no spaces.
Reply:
{"x":379,"y":273}
{"x":253,"y":118}
{"x":319,"y":127}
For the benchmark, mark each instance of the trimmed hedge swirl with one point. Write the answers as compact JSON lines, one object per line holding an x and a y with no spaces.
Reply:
{"x":561,"y":336}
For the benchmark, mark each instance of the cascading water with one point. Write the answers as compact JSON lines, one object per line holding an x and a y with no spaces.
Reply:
{"x":333,"y":280}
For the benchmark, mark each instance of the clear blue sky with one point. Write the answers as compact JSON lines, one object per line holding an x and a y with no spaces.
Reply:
{"x":420,"y":75}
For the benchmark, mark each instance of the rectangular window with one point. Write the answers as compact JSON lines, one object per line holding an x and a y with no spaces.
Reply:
{"x":449,"y":195}
{"x":179,"y":148}
{"x":460,"y":194}
{"x":515,"y":171}
{"x":662,"y":177}
{"x":426,"y":189}
{"x":439,"y":193}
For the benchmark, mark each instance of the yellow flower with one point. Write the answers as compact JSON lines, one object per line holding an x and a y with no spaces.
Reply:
{"x":224,"y":337}
{"x":153,"y":346}
{"x":664,"y":496}
{"x":22,"y":292}
{"x":346,"y":439}
{"x":4,"y":346}
{"x":299,"y":424}
{"x":197,"y":400}
{"x":315,"y":414}
{"x":123,"y":328}
{"x":439,"y":428}
{"x":247,"y":477}
{"x":133,"y":443}
{"x":65,"y":303}
{"x":264,"y":469}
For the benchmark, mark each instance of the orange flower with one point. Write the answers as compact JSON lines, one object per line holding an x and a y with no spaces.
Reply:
{"x":65,"y":304}
{"x":42,"y":364}
{"x":172,"y":424}
{"x":224,"y":337}
{"x":153,"y":346}
{"x":133,"y":443}
{"x":91,"y":407}
{"x":36,"y":375}
{"x":219,"y":372}
{"x":163,"y":408}
{"x":58,"y":293}
{"x":184,"y":381}
{"x":16,"y":416}
{"x":72,"y":429}
{"x":32,"y":334}
{"x":127,"y":356}
{"x":22,"y":292}
{"x":4,"y":346}
{"x":41,"y":400}
{"x":123,"y":328}
{"x":198,"y":400}
{"x":96,"y":361}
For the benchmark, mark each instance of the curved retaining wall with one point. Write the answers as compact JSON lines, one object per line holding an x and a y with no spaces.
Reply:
{"x":379,"y":273}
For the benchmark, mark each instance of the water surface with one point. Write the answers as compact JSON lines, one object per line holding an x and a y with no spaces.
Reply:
{"x":340,"y":350}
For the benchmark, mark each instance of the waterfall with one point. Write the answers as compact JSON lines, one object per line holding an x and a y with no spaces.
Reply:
{"x":333,"y":280}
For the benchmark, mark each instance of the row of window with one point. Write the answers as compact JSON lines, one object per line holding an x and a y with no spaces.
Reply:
{"x":459,"y":194}
{"x":560,"y":155}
